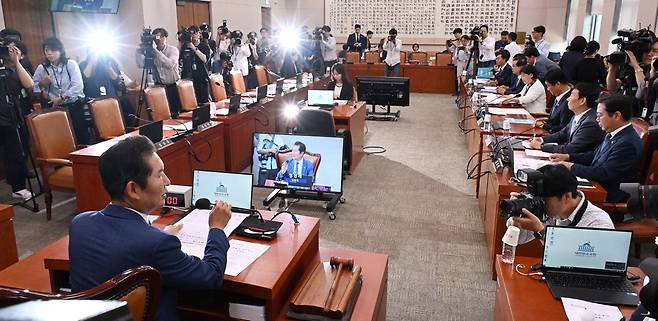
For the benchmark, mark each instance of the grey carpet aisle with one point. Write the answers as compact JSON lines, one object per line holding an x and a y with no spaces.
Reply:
{"x":412,"y":203}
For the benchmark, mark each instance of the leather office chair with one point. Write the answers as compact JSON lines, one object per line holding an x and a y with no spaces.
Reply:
{"x":139,"y":287}
{"x":53,"y":140}
{"x":261,"y":75}
{"x":107,"y":117}
{"x":156,"y":99}
{"x":403,"y":57}
{"x":372,"y":57}
{"x":443,"y":59}
{"x":217,"y":90}
{"x":237,"y":79}
{"x":320,"y":122}
{"x":185,"y":89}
{"x":353,"y":57}
{"x":313,"y":157}
{"x":421,"y":57}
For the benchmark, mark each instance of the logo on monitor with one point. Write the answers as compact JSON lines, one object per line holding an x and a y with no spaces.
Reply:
{"x":221,"y":190}
{"x":586,"y":249}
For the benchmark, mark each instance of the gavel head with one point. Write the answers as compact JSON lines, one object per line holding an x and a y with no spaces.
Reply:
{"x":336,"y":261}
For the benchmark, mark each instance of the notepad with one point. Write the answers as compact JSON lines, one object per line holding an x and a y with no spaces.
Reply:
{"x":179,"y":127}
{"x":194,"y":234}
{"x":578,"y":310}
{"x":241,"y":254}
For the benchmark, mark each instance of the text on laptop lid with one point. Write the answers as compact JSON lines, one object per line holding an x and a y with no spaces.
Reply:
{"x":320,"y":98}
{"x":234,"y":188}
{"x":573,"y":248}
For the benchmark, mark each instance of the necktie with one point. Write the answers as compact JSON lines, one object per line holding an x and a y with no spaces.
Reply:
{"x":604,"y":146}
{"x":555,"y":104}
{"x":294,"y":171}
{"x":574,"y":124}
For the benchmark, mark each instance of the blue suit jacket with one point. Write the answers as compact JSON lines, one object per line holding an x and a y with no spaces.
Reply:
{"x":612,"y":164}
{"x":516,"y":85}
{"x":105,"y":243}
{"x":307,"y":168}
{"x":504,"y":76}
{"x":586,"y":137}
{"x":560,"y":115}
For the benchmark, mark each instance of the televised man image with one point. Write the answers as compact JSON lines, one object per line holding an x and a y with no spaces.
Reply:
{"x":119,"y":237}
{"x":296,"y":166}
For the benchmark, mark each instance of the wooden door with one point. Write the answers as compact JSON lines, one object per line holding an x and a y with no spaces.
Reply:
{"x":193,"y":13}
{"x":33,"y":19}
{"x":266,"y":18}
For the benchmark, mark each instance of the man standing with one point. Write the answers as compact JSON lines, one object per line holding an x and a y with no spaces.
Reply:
{"x":392,"y":46}
{"x":328,"y":47}
{"x":119,"y":237}
{"x":487,"y":48}
{"x":513,"y":47}
{"x":504,"y":40}
{"x":543,"y":64}
{"x":540,"y":43}
{"x":165,"y":72}
{"x":356,"y":41}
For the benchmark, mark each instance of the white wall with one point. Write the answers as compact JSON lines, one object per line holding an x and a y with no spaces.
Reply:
{"x":244,"y":15}
{"x":2,"y":18}
{"x":160,"y":14}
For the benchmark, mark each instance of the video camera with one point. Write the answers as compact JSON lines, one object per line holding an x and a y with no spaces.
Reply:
{"x":636,"y":41}
{"x":317,"y":33}
{"x":236,"y":37}
{"x":184,"y":36}
{"x":529,"y":200}
{"x":205,"y":30}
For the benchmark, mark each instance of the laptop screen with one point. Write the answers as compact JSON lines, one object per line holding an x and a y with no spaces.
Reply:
{"x":233,"y":188}
{"x":485,"y":72}
{"x":586,"y":248}
{"x":320,"y":97}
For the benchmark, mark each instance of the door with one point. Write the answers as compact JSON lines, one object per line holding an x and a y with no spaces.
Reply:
{"x":266,"y":18}
{"x":193,"y":13}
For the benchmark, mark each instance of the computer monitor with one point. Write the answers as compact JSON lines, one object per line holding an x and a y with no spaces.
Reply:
{"x":234,"y":188}
{"x":320,"y":98}
{"x":200,"y":116}
{"x":300,"y":162}
{"x":261,"y":93}
{"x":97,"y":6}
{"x":385,"y":91}
{"x":234,"y":103}
{"x":484,"y":72}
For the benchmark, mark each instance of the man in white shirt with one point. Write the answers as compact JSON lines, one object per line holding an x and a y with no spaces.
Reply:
{"x":487,"y":48}
{"x":392,"y":46}
{"x":461,"y":54}
{"x":513,"y":47}
{"x":564,"y":205}
{"x":328,"y":47}
{"x":240,"y":54}
{"x":538,"y":37}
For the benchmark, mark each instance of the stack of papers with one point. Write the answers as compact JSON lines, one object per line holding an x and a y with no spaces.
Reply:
{"x":489,"y":89}
{"x":579,"y":310}
{"x":531,"y":163}
{"x":520,"y":121}
{"x":536,"y":153}
{"x":508,"y":111}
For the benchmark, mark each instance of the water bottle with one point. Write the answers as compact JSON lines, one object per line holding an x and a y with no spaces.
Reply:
{"x":510,"y":241}
{"x":506,"y":127}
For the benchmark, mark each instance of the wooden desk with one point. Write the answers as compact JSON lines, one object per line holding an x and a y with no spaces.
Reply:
{"x":8,"y":251}
{"x":208,"y":145}
{"x":520,"y":298}
{"x":352,"y":117}
{"x":422,"y":78}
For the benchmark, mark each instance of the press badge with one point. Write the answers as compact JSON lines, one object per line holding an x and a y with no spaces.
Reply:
{"x":103,"y":91}
{"x":644,"y":112}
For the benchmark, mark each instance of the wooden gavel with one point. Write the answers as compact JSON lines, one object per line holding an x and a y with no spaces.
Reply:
{"x":341,"y":263}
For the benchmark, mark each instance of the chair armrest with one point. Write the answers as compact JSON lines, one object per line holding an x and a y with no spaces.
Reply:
{"x":58,"y":161}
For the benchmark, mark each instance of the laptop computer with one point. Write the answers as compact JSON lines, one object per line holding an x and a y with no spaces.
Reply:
{"x":200,"y":116}
{"x":484,"y":72}
{"x":588,"y":264}
{"x":261,"y":93}
{"x":320,"y":98}
{"x":233,"y":188}
{"x":152,"y":131}
{"x":299,"y":80}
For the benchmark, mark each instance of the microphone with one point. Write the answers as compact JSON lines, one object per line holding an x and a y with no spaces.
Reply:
{"x":205,"y":204}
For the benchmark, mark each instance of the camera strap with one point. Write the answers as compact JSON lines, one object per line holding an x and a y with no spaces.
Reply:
{"x":579,"y":214}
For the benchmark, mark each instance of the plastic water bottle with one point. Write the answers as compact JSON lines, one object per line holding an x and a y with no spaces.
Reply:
{"x":510,"y":241}
{"x":506,"y":127}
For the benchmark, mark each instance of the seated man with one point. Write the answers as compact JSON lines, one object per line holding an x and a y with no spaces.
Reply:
{"x":617,"y":158}
{"x":503,"y":76}
{"x":558,"y":85}
{"x":296,"y":166}
{"x":119,"y":237}
{"x":565,"y":205}
{"x":583,"y":133}
{"x":516,"y":84}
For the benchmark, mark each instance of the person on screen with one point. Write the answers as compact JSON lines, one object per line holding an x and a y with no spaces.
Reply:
{"x":565,"y":205}
{"x":267,"y":147}
{"x":296,"y":166}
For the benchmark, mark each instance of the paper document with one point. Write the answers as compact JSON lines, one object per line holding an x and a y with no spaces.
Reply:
{"x":194,"y":234}
{"x":179,"y":127}
{"x":340,"y":102}
{"x":536,"y":153}
{"x":579,"y":310}
{"x":481,"y":80}
{"x":508,"y":111}
{"x":520,"y":121}
{"x":241,"y":254}
{"x":532,"y":163}
{"x":152,"y":218}
{"x":489,"y":89}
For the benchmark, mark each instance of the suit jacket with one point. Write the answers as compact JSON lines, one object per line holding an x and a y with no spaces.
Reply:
{"x":307,"y":169}
{"x":543,"y":66}
{"x":105,"y":243}
{"x":504,"y":76}
{"x":586,"y":137}
{"x":346,"y":93}
{"x":516,"y":85}
{"x":560,"y":115}
{"x":612,"y":163}
{"x":351,"y":40}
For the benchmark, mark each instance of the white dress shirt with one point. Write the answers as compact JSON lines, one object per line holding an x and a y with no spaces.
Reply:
{"x":487,"y":49}
{"x":166,"y":63}
{"x":543,"y":46}
{"x":533,"y":98}
{"x":239,"y":59}
{"x":328,"y":48}
{"x":616,"y":131}
{"x":393,"y":51}
{"x":514,"y":49}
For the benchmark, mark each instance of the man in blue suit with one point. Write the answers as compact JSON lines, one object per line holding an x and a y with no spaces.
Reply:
{"x":503,"y":76}
{"x":543,"y":64}
{"x":516,"y":85}
{"x":560,"y":116}
{"x":104,"y":243}
{"x":616,"y":159}
{"x":296,"y":166}
{"x":357,"y":41}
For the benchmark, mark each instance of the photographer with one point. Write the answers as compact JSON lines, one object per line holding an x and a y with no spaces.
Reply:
{"x":239,"y":54}
{"x":253,"y":59}
{"x":223,"y":67}
{"x":328,"y":47}
{"x":461,"y":54}
{"x":59,"y":82}
{"x":11,"y":36}
{"x":165,"y":73}
{"x":563,"y":204}
{"x":392,"y":46}
{"x":197,"y":62}
{"x":17,"y":80}
{"x":267,"y":147}
{"x":223,"y":40}
{"x":487,"y":47}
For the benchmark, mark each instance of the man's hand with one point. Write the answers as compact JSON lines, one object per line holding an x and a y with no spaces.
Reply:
{"x":558,"y":157}
{"x":173,"y":229}
{"x":46,"y":81}
{"x":529,"y":222}
{"x":632,"y":60}
{"x":284,"y":167}
{"x":539,"y":123}
{"x":566,"y":164}
{"x":501,"y":89}
{"x":191,"y":46}
{"x":14,"y":54}
{"x":220,"y":215}
{"x":535,"y":143}
{"x":57,"y":101}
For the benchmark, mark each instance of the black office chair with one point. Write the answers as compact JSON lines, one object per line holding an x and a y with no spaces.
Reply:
{"x":320,"y":122}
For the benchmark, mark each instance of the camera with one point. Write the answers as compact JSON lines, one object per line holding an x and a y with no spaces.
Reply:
{"x":205,"y":30}
{"x":252,"y":37}
{"x":236,"y":37}
{"x":317,"y":33}
{"x":636,"y":41}
{"x":146,"y":40}
{"x":530,"y":200}
{"x":184,"y":36}
{"x":475,"y":32}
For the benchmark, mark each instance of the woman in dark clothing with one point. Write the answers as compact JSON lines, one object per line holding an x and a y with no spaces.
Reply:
{"x":340,"y":84}
{"x":573,"y":55}
{"x":590,"y":69}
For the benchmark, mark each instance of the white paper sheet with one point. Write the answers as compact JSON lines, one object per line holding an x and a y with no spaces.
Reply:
{"x":536,"y":153}
{"x":508,"y":111}
{"x":241,"y":254}
{"x":181,"y":127}
{"x":532,"y":163}
{"x":579,"y":310}
{"x":194,"y":234}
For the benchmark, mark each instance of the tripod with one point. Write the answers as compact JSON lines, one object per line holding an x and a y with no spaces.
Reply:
{"x":149,"y":66}
{"x":474,"y":55}
{"x":26,"y":153}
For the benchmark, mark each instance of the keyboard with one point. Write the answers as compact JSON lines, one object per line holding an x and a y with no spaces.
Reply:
{"x":586,"y":281}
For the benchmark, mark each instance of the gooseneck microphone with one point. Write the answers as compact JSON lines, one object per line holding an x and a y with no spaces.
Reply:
{"x":205,"y":204}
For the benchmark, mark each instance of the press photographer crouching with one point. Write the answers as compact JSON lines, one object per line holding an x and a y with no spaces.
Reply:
{"x":552,"y":199}
{"x":193,"y":58}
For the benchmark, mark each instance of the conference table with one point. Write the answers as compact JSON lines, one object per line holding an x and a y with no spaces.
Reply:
{"x":9,"y":253}
{"x":271,"y":278}
{"x":203,"y":149}
{"x":428,"y":78}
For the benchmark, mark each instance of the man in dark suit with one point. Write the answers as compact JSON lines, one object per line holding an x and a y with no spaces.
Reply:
{"x":357,"y":41}
{"x":582,"y":133}
{"x":516,"y":85}
{"x":617,"y":158}
{"x":558,"y":85}
{"x":119,"y":237}
{"x":503,"y":76}
{"x":296,"y":166}
{"x":543,"y":64}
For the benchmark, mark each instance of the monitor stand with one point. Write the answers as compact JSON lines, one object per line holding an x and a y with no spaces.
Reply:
{"x":332,"y":199}
{"x":377,"y":115}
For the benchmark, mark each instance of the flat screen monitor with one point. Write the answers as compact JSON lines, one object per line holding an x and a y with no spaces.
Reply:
{"x":85,"y":6}
{"x":152,"y":130}
{"x":233,"y":188}
{"x":200,"y":116}
{"x":484,"y":72}
{"x":320,"y":97}
{"x":298,"y":162}
{"x":386,"y":91}
{"x":261,"y":93}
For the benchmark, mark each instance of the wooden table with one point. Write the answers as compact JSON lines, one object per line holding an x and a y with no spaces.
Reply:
{"x":208,"y":144}
{"x":270,"y":278}
{"x":8,"y":251}
{"x":422,"y":78}
{"x":519,"y":298}
{"x":352,"y":117}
